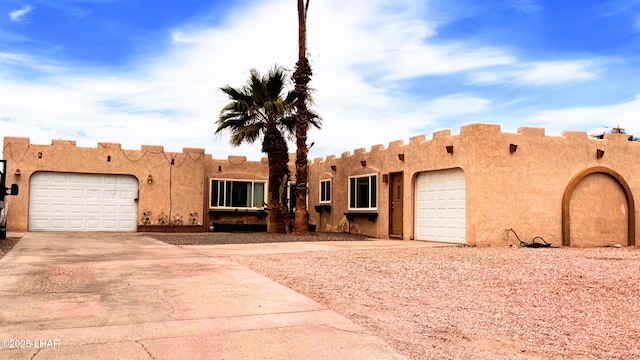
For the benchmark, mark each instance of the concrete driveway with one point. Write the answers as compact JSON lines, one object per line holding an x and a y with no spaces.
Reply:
{"x":127,"y":296}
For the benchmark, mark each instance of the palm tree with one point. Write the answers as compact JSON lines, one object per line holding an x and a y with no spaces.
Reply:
{"x":302,"y":76}
{"x":262,"y":108}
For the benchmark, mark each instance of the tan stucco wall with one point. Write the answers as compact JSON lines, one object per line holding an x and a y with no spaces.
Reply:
{"x":522,"y":190}
{"x":598,"y":212}
{"x":234,"y":168}
{"x":175,"y":190}
{"x":548,"y":180}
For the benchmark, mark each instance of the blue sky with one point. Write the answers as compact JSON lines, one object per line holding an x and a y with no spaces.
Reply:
{"x":148,"y":72}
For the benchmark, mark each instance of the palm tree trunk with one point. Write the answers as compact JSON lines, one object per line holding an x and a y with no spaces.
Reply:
{"x":301,"y":77}
{"x":278,"y":155}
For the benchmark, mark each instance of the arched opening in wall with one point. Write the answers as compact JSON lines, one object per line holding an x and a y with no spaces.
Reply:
{"x":598,"y":210}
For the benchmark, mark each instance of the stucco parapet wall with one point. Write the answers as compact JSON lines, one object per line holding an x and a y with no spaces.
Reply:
{"x":441,"y":134}
{"x":417,"y":139}
{"x":236,"y":159}
{"x":617,"y":137}
{"x":531,"y":131}
{"x":479,"y":128}
{"x":484,"y":131}
{"x":155,"y":149}
{"x":396,"y":144}
{"x":575,"y":135}
{"x":110,"y":146}
{"x":63,"y":142}
{"x":193,"y":150}
{"x":15,"y":148}
{"x":319,"y":160}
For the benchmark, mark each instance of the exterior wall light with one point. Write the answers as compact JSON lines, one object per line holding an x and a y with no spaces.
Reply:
{"x":363,"y":163}
{"x":39,"y":155}
{"x":219,"y":168}
{"x":513,"y":148}
{"x":599,"y":153}
{"x":401,"y":157}
{"x":449,"y":149}
{"x":150,"y":179}
{"x":17,"y":173}
{"x":333,"y":168}
{"x":385,"y":178}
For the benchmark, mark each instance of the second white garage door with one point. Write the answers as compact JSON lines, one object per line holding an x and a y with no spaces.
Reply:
{"x":441,"y":206}
{"x":82,"y":202}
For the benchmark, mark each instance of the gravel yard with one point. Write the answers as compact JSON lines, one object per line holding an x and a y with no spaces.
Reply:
{"x":477,"y":303}
{"x":464,"y":302}
{"x":218,"y":238}
{"x":7,"y":244}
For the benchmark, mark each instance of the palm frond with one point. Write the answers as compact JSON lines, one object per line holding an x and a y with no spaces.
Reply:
{"x":253,"y":105}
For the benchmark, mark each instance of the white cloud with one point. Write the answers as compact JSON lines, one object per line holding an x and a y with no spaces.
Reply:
{"x":456,"y":105}
{"x":171,"y":97}
{"x":390,"y":45}
{"x":19,"y":16}
{"x":636,"y":24}
{"x":11,"y":36}
{"x":596,"y":118}
{"x":540,"y":73}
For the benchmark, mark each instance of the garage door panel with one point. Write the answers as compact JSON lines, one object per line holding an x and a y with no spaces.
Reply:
{"x":59,"y":193}
{"x":126,"y":224}
{"x":76,"y":179}
{"x":59,"y":179}
{"x":94,"y":180}
{"x":93,"y":209}
{"x":441,"y":206}
{"x":58,"y":224}
{"x":75,"y":225}
{"x":92,"y":225}
{"x":39,"y":208}
{"x":131,"y":210}
{"x":82,"y":202}
{"x":130,"y":195}
{"x":130,"y":183}
{"x":76,"y":209}
{"x":76,"y":194}
{"x":94,"y":194}
{"x":109,"y":209}
{"x":56,"y":208}
{"x":38,"y":224}
{"x":109,"y":224}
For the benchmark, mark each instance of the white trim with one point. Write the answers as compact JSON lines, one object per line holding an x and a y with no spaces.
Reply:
{"x":370,"y":208}
{"x":320,"y":192}
{"x":253,"y":183}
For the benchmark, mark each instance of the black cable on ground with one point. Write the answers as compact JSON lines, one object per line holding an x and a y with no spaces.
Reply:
{"x":533,"y":244}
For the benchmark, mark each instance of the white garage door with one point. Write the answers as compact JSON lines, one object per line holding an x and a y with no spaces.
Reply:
{"x":82,"y":202}
{"x":441,"y":206}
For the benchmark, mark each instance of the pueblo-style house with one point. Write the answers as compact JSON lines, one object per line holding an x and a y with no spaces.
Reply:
{"x":572,"y":190}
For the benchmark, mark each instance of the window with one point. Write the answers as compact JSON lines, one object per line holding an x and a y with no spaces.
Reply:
{"x":325,"y":191}
{"x":237,"y":194}
{"x":363,"y":192}
{"x":291,"y":196}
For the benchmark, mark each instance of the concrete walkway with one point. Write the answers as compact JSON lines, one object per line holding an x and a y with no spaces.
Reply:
{"x":127,"y":296}
{"x":289,"y":247}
